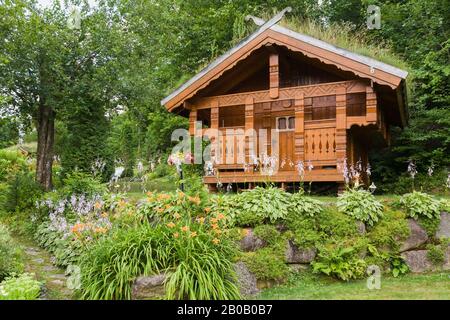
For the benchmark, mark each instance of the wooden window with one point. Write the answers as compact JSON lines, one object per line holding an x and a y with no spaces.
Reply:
{"x":285,"y":123}
{"x":323,"y":108}
{"x":291,"y":122}
{"x":356,"y":104}
{"x":232,"y":116}
{"x":281,"y":123}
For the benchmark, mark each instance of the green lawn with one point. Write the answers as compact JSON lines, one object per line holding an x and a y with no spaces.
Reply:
{"x":411,"y":287}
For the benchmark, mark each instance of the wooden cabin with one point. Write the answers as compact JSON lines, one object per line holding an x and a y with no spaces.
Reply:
{"x":328,"y":106}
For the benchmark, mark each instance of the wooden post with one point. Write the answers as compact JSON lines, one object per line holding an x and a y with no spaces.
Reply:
{"x":250,"y":143}
{"x":192,"y":121}
{"x":299,"y":133}
{"x":215,"y":143}
{"x":274,"y":76}
{"x":371,"y":105}
{"x":341,"y":124}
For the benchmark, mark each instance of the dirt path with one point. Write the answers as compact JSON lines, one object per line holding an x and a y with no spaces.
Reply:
{"x":39,"y":262}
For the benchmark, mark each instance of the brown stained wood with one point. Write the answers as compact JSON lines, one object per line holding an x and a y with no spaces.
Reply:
{"x":274,"y":77}
{"x":273,"y":37}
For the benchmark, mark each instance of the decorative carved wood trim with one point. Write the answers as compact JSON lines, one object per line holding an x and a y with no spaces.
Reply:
{"x":316,"y":90}
{"x":274,"y":77}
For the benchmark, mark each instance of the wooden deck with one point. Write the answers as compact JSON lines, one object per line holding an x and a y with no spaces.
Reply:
{"x":319,"y":175}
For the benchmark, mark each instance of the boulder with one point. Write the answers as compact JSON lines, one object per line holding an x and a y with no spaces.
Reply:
{"x":247,"y":282}
{"x":417,"y":261}
{"x":417,"y":237}
{"x":149,"y":287}
{"x":298,"y":267}
{"x":444,"y":226}
{"x":250,"y":242}
{"x":294,"y":254}
{"x":361,"y":227}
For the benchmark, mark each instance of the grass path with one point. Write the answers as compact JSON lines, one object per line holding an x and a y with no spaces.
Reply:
{"x":39,"y":262}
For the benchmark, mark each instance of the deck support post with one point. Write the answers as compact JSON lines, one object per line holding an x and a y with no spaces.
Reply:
{"x":250,"y":143}
{"x":371,"y":105}
{"x":192,"y":121}
{"x":215,"y":143}
{"x":341,"y":124}
{"x":299,"y":133}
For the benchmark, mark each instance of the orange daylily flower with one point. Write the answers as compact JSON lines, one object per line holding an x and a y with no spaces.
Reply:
{"x":215,"y":226}
{"x":217,"y":231}
{"x":171,"y":224}
{"x":213,"y":220}
{"x":176,"y":235}
{"x":220,"y":216}
{"x":97,"y":205}
{"x":100,"y":230}
{"x":195,"y":200}
{"x":149,"y":194}
{"x":185,"y":228}
{"x":216,"y":241}
{"x":207,"y":209}
{"x":193,"y":234}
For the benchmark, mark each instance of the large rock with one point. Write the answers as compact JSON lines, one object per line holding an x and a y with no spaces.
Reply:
{"x":444,"y":226}
{"x":247,"y":282}
{"x":361,"y":227}
{"x":250,"y":242}
{"x":417,"y":261}
{"x":149,"y":287}
{"x":417,"y":237}
{"x":294,"y":254}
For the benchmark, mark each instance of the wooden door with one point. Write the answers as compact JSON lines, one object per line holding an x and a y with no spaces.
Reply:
{"x":286,"y":150}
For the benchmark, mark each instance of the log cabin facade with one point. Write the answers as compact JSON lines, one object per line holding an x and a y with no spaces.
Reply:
{"x":326,"y":106}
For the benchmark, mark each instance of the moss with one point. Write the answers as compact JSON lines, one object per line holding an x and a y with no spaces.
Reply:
{"x":266,"y":264}
{"x":268,"y":233}
{"x":431,"y":226}
{"x":389,"y":230}
{"x":336,"y":224}
{"x":436,"y":254}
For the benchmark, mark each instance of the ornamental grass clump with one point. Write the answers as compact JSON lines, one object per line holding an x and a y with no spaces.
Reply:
{"x":361,"y":205}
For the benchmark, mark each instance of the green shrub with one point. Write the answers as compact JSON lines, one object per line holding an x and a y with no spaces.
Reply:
{"x":79,"y":182}
{"x":302,"y":205}
{"x":361,"y":205}
{"x":11,"y":163}
{"x":11,"y":255}
{"x":418,"y":204}
{"x":22,"y":287}
{"x":22,"y":193}
{"x":266,"y":264}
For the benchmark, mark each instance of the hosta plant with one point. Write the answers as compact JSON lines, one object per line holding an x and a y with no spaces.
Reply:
{"x":420,"y":205}
{"x":361,"y":205}
{"x":302,"y":205}
{"x":22,"y":287}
